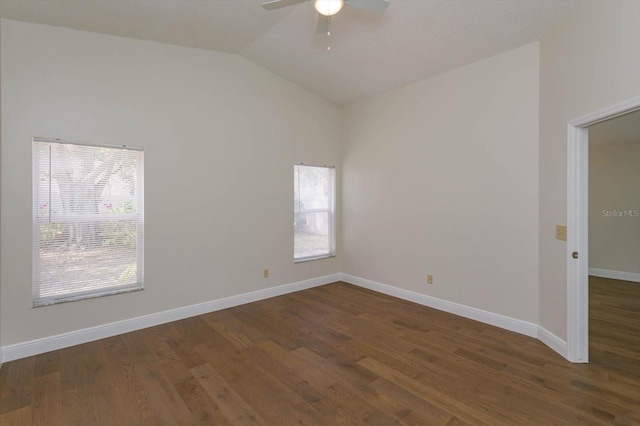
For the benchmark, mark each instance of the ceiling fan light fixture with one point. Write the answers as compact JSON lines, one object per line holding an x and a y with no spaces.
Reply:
{"x":328,"y":7}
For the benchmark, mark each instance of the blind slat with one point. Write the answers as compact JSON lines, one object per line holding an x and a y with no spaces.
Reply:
{"x":88,"y":220}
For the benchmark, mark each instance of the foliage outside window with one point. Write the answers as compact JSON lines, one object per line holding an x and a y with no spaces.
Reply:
{"x":314,"y":212}
{"x":88,"y":220}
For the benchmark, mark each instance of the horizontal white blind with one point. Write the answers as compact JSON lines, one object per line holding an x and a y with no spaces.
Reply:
{"x":88,"y":218}
{"x":313,"y":208}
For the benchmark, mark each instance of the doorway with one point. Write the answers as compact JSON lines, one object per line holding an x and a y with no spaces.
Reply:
{"x":614,"y":240}
{"x":578,"y":227}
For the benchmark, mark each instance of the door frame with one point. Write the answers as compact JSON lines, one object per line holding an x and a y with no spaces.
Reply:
{"x":578,"y":226}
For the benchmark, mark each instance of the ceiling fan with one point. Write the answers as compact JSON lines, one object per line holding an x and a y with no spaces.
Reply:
{"x":328,"y":8}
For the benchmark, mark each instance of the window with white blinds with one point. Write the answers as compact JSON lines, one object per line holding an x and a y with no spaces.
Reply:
{"x":314,"y":212}
{"x":88,"y":220}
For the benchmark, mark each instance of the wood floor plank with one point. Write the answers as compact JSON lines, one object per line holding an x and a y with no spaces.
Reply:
{"x":266,"y":394}
{"x":409,"y":408}
{"x":193,"y":394}
{"x":211,"y":415}
{"x":157,"y":343}
{"x":184,"y":348}
{"x":46,"y":406}
{"x":235,"y":409}
{"x":78,"y":381}
{"x":16,"y":384}
{"x":317,"y":386}
{"x":336,"y":354}
{"x":236,"y":337}
{"x":433,"y":395}
{"x":47,"y":363}
{"x":163,"y":396}
{"x":19,"y":417}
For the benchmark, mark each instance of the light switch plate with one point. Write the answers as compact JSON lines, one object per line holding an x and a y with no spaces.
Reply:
{"x":561,"y":232}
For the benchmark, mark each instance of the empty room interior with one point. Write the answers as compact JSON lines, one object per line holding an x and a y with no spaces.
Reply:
{"x":464,"y":243}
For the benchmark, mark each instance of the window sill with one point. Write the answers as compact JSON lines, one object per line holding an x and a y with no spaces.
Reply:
{"x":311,"y":259}
{"x":73,"y":298}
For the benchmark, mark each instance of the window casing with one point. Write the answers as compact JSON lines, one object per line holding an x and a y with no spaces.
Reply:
{"x":88,"y":220}
{"x":314,"y":212}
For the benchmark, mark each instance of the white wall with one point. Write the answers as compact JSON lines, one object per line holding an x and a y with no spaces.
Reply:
{"x":614,"y":207}
{"x":220,"y":136}
{"x":589,"y":61}
{"x":441,"y":177}
{"x":0,"y":188}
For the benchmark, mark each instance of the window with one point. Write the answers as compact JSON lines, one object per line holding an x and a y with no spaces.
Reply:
{"x":313,"y":209}
{"x":87,"y":220}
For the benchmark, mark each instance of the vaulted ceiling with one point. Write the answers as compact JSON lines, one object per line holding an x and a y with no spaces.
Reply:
{"x":370,"y":54}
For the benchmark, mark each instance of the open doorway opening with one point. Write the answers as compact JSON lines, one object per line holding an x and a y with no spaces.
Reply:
{"x":614,"y":241}
{"x":578,"y":226}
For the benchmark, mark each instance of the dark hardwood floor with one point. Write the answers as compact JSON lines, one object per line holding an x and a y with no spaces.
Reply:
{"x":335,"y":354}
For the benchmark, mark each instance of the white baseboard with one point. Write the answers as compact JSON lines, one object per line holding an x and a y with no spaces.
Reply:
{"x":512,"y":324}
{"x":39,"y":346}
{"x":615,"y":275}
{"x":502,"y":321}
{"x":553,"y":341}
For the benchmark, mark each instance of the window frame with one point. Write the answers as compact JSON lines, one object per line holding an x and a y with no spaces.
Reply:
{"x":36,"y":221}
{"x":331,"y":214}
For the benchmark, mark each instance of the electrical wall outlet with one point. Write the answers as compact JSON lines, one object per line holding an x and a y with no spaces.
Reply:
{"x":561,"y":232}
{"x":265,"y":273}
{"x":429,"y":279}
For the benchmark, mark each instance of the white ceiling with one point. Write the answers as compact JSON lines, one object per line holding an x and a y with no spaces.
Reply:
{"x":413,"y":40}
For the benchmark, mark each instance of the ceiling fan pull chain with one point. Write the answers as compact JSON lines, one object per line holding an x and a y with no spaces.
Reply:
{"x":329,"y":34}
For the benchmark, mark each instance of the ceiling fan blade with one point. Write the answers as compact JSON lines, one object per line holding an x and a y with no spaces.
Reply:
{"x":277,"y":4}
{"x":375,"y":6}
{"x":323,"y":24}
